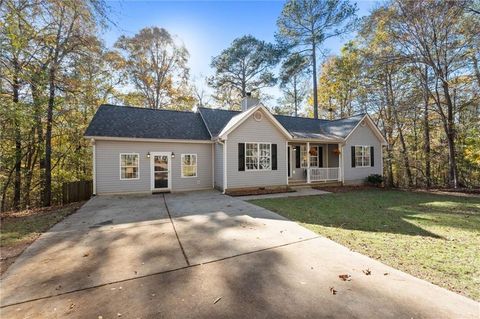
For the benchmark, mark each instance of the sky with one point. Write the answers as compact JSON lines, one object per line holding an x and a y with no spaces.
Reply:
{"x":207,"y":27}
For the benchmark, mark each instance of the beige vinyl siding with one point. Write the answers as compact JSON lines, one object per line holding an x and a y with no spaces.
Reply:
{"x":107,"y":162}
{"x":362,"y":135}
{"x":219,"y":166}
{"x":253,"y":131}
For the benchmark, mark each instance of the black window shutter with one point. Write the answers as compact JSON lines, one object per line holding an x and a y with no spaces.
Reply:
{"x":297,"y":156}
{"x":320,"y":156}
{"x":241,"y":156}
{"x":274,"y":157}
{"x":353,"y":156}
{"x":372,"y":163}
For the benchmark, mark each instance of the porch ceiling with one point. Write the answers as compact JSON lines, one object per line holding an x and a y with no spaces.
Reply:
{"x":316,"y":137}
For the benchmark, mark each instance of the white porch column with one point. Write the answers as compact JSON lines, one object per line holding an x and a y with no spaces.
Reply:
{"x":341,"y":163}
{"x":308,"y":162}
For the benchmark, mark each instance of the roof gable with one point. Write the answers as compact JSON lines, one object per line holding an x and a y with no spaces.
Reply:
{"x":239,"y":118}
{"x":368,"y":120}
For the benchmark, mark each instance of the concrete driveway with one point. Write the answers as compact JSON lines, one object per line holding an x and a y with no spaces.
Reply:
{"x":205,"y":255}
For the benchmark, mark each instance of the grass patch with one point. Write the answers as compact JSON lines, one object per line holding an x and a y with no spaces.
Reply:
{"x":20,"y":229}
{"x":433,"y":237}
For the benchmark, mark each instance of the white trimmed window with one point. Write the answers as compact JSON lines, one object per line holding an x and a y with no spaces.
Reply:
{"x":189,"y":165}
{"x":314,"y":156}
{"x":303,"y":156}
{"x":129,"y":166}
{"x":258,"y":156}
{"x":362,"y":156}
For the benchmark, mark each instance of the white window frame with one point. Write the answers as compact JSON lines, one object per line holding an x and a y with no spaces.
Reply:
{"x":258,"y":157}
{"x":182,"y":165}
{"x":363,"y":156}
{"x":311,"y":156}
{"x":120,"y":166}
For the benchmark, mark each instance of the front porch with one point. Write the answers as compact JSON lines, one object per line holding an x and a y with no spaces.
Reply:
{"x":314,"y":163}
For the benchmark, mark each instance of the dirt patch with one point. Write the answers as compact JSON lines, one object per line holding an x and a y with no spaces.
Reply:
{"x":21,"y":228}
{"x":345,"y":189}
{"x":462,"y":192}
{"x":467,"y":192}
{"x":259,"y":191}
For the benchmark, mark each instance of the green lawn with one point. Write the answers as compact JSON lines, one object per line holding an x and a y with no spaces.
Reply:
{"x":433,"y":237}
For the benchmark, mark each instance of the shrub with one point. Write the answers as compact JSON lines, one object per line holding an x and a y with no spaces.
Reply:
{"x":374,"y":179}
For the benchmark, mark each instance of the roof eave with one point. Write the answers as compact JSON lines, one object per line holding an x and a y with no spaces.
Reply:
{"x":145,"y":139}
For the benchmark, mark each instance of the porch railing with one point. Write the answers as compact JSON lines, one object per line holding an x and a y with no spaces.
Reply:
{"x":321,"y":174}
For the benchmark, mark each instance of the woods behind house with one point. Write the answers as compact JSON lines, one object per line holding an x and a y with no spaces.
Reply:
{"x":413,"y":65}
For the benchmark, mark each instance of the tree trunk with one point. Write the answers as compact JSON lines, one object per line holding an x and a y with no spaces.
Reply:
{"x":47,"y":186}
{"x":476,"y":69}
{"x":295,"y":94}
{"x":390,"y":182}
{"x":315,"y":93}
{"x":450,"y":131}
{"x":388,"y":126}
{"x":37,"y":103}
{"x":18,"y":142}
{"x":426,"y":133}
{"x":406,"y":161}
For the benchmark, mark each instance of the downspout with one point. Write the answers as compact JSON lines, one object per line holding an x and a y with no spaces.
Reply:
{"x":94,"y":174}
{"x":224,"y":145}
{"x":342,"y":157}
{"x":213,"y":165}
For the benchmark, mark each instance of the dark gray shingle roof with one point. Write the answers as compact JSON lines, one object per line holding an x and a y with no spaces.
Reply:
{"x":127,"y":121}
{"x":299,"y":127}
{"x":216,"y":119}
{"x":341,"y":127}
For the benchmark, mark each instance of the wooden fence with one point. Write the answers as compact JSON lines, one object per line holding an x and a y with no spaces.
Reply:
{"x":76,"y":191}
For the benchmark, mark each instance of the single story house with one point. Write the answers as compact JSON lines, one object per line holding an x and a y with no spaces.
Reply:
{"x":148,"y":150}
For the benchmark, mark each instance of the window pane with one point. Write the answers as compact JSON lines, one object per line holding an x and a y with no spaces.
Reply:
{"x":128,"y":166}
{"x":189,"y":165}
{"x":251,"y":149}
{"x":264,"y":163}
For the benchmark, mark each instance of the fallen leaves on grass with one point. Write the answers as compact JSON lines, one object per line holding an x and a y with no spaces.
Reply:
{"x":367,"y":272}
{"x":345,"y":277}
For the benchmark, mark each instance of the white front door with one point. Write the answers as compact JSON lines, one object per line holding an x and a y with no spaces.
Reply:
{"x":161,"y":171}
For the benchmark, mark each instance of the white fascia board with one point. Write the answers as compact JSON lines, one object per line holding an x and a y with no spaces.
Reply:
{"x":135,"y":139}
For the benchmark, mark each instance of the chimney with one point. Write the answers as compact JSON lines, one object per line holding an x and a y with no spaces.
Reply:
{"x":249,"y":101}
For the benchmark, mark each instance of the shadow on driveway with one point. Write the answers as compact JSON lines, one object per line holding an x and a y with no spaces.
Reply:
{"x":245,"y":262}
